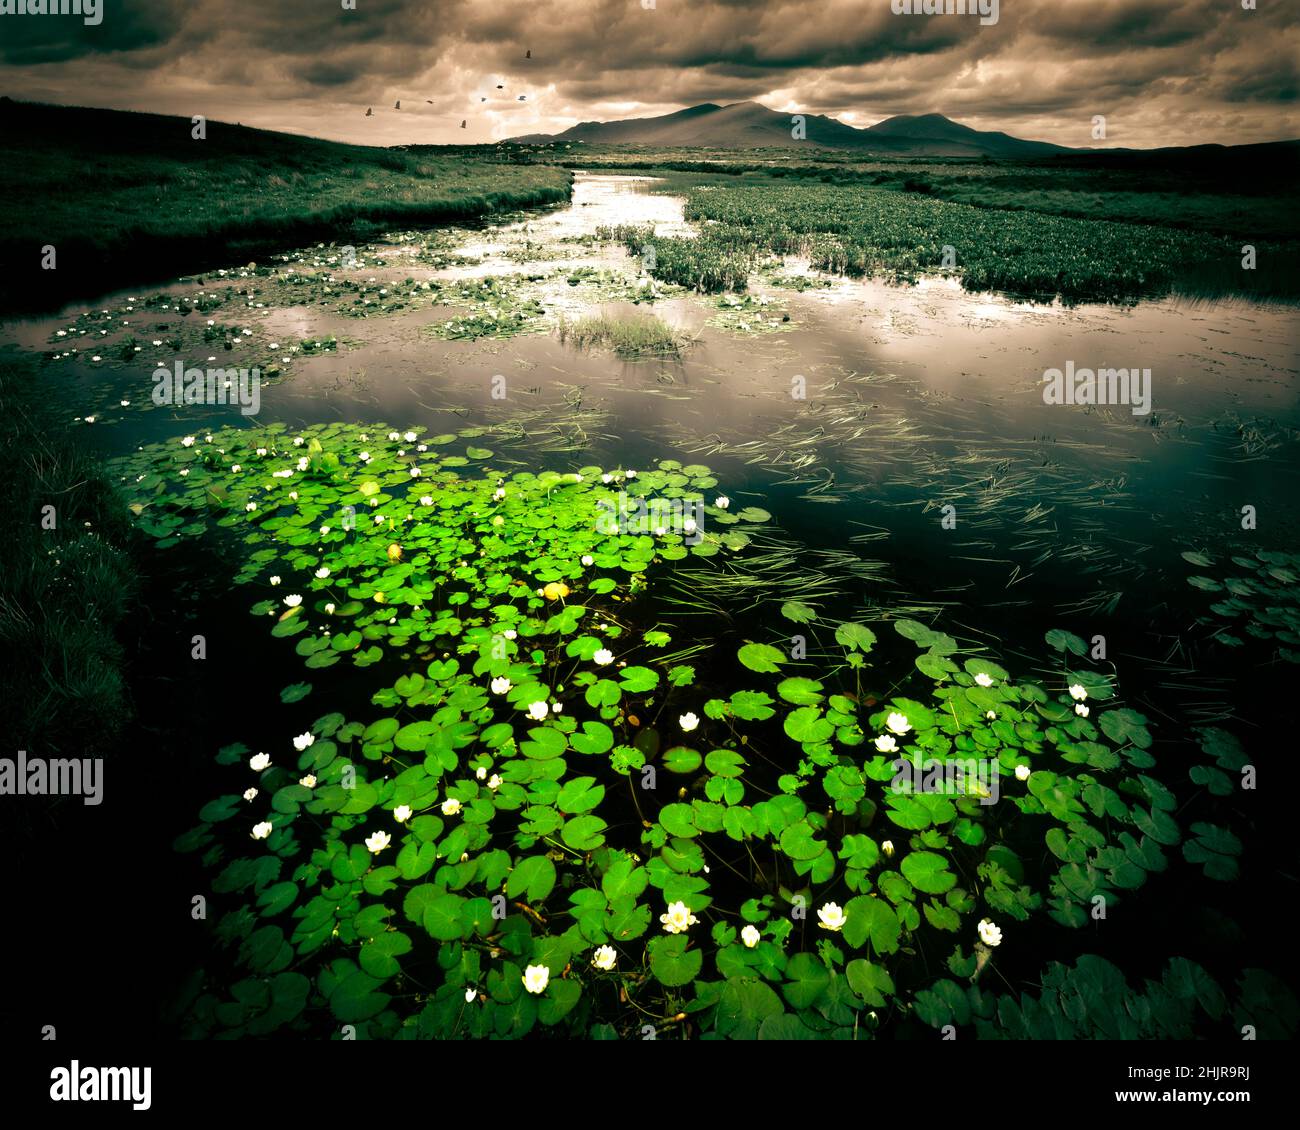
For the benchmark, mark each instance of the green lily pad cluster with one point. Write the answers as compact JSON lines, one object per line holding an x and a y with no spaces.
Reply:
{"x":1261,"y":600}
{"x":546,"y":818}
{"x":1093,"y":1001}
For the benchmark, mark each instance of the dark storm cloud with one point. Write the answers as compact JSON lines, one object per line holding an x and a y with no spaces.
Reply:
{"x":123,"y":27}
{"x":1164,"y":71}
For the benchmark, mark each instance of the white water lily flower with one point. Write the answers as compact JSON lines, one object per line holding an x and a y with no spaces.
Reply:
{"x":984,"y":680}
{"x":402,"y":813}
{"x":481,"y":773}
{"x":275,"y":580}
{"x":188,"y":441}
{"x":250,"y":506}
{"x":1022,"y":772}
{"x":261,"y":451}
{"x":510,"y":633}
{"x":259,"y":762}
{"x":898,"y":723}
{"x":603,"y":656}
{"x":394,"y":435}
{"x":426,"y":500}
{"x":378,"y":842}
{"x":415,"y":472}
{"x":606,"y":478}
{"x":722,"y":502}
{"x":678,"y":918}
{"x":831,"y":917}
{"x":688,"y":721}
{"x":293,"y":494}
{"x":886,"y":744}
{"x":888,"y":848}
{"x":450,"y":806}
{"x":329,"y":609}
{"x":990,"y":934}
{"x":689,"y":525}
{"x":587,"y":559}
{"x":409,"y":437}
{"x":249,"y":794}
{"x":262,"y":830}
{"x":501,"y":685}
{"x":750,"y":936}
{"x":184,"y":471}
{"x":302,"y":741}
{"x":236,"y":468}
{"x":470,"y":994}
{"x":293,"y":600}
{"x":990,"y":715}
{"x":308,"y":782}
{"x":494,"y":782}
{"x":1081,"y":710}
{"x":605,"y":958}
{"x":556,"y":707}
{"x":536,"y":977}
{"x":324,"y":530}
{"x":537,"y":711}
{"x":323,"y":572}
{"x":1078,"y":692}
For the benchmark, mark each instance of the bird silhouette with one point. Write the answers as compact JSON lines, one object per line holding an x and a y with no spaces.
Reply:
{"x":482,"y":99}
{"x":369,"y":112}
{"x":399,"y":105}
{"x":528,"y":54}
{"x":462,"y":123}
{"x":523,"y":97}
{"x":429,"y":100}
{"x":500,"y":87}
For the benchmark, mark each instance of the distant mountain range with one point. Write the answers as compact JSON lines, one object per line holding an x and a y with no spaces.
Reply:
{"x":745,"y":125}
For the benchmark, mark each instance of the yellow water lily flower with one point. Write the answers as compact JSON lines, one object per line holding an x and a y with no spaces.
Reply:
{"x":555,"y":590}
{"x":394,"y":552}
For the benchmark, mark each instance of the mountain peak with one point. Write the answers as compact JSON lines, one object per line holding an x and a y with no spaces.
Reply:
{"x":750,"y":125}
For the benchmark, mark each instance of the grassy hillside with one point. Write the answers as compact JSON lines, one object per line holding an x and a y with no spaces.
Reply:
{"x":127,"y":197}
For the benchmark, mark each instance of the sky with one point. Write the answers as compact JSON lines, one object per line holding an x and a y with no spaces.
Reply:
{"x":1161,"y":72}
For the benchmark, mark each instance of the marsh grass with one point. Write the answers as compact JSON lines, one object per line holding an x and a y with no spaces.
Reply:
{"x":626,"y":336}
{"x":63,"y":591}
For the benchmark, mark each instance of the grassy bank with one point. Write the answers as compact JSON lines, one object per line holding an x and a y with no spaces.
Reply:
{"x":1244,"y":193}
{"x":127,"y":198}
{"x":899,"y":236}
{"x":66,"y":579}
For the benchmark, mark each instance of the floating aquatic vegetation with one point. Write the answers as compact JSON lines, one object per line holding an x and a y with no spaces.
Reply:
{"x":1093,"y":1001}
{"x":749,"y":314}
{"x":1261,"y":601}
{"x":584,"y":809}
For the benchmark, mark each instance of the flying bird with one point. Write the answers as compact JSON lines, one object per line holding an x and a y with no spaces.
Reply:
{"x":429,"y":100}
{"x":399,"y":105}
{"x":369,"y":112}
{"x":523,"y":97}
{"x":500,"y":87}
{"x":462,"y":123}
{"x":528,"y":54}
